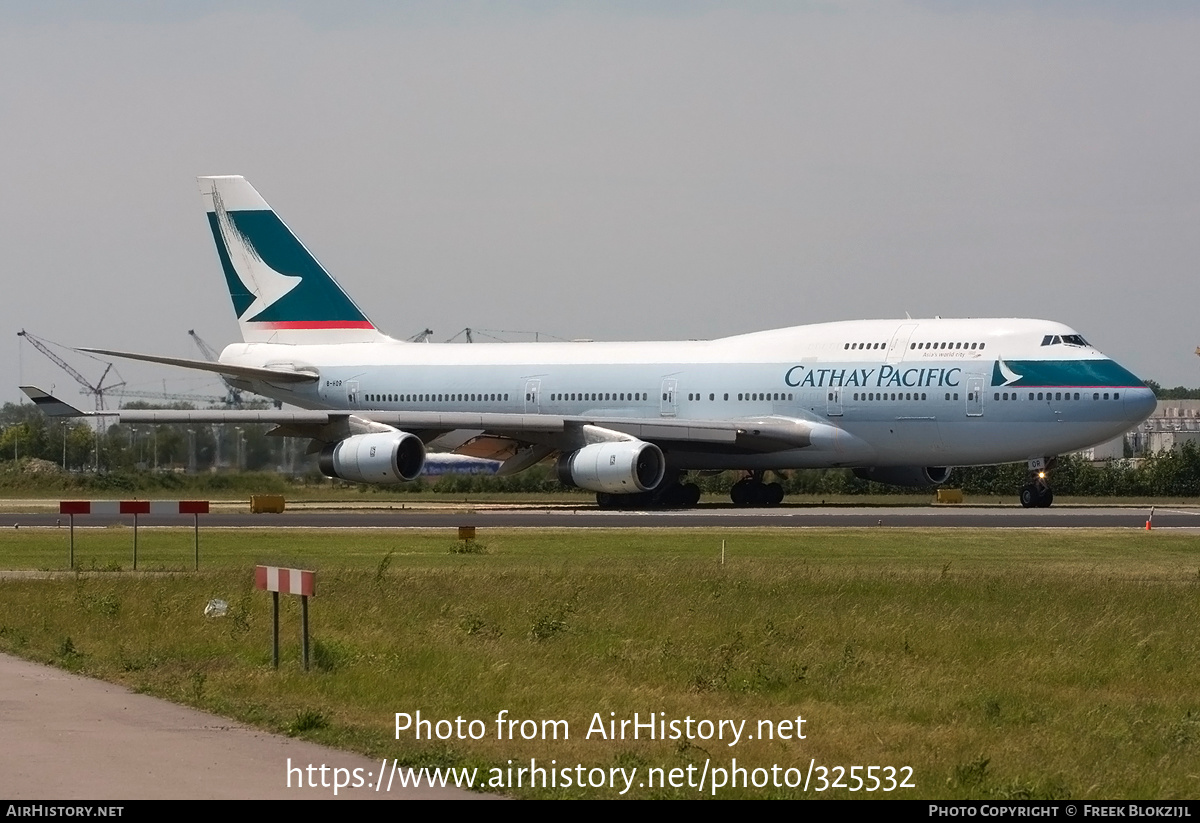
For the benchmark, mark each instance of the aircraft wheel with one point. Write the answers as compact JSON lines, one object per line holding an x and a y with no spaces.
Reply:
{"x":691,"y":495}
{"x":773,"y":494}
{"x":1029,"y":496}
{"x":671,"y":497}
{"x":1045,"y":499}
{"x":742,"y":493}
{"x":605,"y":500}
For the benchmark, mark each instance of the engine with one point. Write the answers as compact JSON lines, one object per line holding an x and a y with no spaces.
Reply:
{"x":383,"y":457}
{"x":619,"y":467}
{"x":916,"y":476}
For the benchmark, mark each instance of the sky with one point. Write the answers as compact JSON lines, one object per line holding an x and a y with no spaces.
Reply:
{"x":619,"y":170}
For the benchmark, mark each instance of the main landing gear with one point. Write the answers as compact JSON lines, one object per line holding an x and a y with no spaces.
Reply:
{"x":753,"y":492}
{"x":1036,"y":494}
{"x":670,"y":494}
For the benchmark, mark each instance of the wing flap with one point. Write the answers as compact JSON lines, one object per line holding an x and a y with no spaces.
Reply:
{"x":682,"y":430}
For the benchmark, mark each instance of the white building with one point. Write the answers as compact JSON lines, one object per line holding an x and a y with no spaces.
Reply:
{"x":1173,"y":423}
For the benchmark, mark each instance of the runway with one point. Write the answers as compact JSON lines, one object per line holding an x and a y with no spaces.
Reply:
{"x":723,"y":517}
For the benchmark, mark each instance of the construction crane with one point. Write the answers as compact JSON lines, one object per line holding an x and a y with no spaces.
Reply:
{"x":234,"y":398}
{"x":421,"y":337}
{"x":208,"y":351}
{"x":470,"y":333}
{"x":97,"y":390}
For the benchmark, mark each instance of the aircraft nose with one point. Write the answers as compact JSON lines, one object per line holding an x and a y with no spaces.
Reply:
{"x":1140,"y":403}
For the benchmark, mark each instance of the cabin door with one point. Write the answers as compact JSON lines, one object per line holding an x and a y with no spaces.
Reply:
{"x":670,"y":406}
{"x":975,"y":395}
{"x":899,"y":345}
{"x":533,"y":390}
{"x":833,"y":397}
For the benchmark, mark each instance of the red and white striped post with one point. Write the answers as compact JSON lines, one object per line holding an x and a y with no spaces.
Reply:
{"x":134,"y":507}
{"x":275,"y":579}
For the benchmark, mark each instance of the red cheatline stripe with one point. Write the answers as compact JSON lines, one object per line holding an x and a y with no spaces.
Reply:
{"x":317,"y":324}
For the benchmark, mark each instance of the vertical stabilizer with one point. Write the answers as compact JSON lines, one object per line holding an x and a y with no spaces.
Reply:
{"x":280,"y":293}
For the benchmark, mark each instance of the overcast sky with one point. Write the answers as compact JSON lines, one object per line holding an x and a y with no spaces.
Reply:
{"x":607,"y":170}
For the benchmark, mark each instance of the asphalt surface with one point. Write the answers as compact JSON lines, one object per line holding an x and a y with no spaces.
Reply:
{"x":983,"y":517}
{"x":71,"y":738}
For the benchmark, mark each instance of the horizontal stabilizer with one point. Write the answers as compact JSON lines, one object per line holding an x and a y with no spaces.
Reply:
{"x":270,"y":375}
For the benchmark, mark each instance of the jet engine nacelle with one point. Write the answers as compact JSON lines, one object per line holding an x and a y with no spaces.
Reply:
{"x":619,"y":467}
{"x":916,"y":476}
{"x":383,"y":457}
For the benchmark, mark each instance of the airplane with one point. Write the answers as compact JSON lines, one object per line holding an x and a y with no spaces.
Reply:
{"x":897,"y":401}
{"x":439,"y":464}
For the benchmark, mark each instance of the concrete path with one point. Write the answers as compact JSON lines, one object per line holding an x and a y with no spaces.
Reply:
{"x":70,"y":737}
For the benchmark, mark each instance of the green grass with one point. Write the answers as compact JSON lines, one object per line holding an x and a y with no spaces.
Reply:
{"x":997,"y":664}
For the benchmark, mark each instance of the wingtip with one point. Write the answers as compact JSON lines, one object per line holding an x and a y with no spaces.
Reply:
{"x":49,"y":404}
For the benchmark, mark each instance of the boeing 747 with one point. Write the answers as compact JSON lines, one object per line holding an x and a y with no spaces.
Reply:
{"x":897,"y":401}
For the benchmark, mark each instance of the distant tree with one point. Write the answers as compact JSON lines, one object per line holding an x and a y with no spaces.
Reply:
{"x":1177,"y":393}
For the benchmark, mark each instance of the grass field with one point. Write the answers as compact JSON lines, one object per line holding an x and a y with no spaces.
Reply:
{"x":995,"y":664}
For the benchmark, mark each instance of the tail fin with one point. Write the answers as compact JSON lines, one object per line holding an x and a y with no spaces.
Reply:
{"x":281,"y":294}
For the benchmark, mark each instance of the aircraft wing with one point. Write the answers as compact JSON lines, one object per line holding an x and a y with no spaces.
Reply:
{"x":757,"y":434}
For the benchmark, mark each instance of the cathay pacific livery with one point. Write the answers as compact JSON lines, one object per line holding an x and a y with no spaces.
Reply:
{"x":897,"y":401}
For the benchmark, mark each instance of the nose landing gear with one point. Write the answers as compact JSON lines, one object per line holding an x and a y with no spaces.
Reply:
{"x":1036,"y":494}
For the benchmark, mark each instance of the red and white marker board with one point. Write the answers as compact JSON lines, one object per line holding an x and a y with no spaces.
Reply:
{"x":133,"y":507}
{"x":285,"y":581}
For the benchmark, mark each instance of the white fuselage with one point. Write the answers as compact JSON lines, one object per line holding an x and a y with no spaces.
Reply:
{"x":883,"y":392}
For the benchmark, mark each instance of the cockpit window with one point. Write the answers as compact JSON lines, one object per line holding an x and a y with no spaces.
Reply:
{"x":1069,"y":339}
